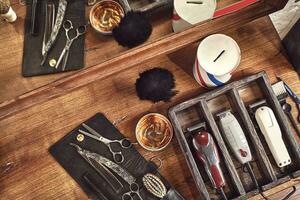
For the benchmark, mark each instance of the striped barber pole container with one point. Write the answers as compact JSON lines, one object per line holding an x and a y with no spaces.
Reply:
{"x":217,"y":57}
{"x":190,"y":12}
{"x":208,"y":80}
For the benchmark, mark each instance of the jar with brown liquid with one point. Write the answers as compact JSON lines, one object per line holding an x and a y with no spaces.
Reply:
{"x":154,"y":132}
{"x":106,"y":15}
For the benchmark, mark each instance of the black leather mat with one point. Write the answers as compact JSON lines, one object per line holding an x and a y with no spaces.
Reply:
{"x":32,"y":53}
{"x":78,"y":167}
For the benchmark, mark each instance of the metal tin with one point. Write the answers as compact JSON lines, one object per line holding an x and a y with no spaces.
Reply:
{"x":154,"y":132}
{"x":106,"y":15}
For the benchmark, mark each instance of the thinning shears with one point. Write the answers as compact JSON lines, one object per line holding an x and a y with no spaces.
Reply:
{"x":117,"y":155}
{"x":68,"y":26}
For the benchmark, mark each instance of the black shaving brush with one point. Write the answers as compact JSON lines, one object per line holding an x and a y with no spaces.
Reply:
{"x":156,"y":84}
{"x":134,"y":29}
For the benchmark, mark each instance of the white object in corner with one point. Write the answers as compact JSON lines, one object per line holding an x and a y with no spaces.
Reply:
{"x":285,"y":18}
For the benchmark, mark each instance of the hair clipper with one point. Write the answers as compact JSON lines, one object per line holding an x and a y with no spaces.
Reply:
{"x":270,"y":129}
{"x":207,"y":152}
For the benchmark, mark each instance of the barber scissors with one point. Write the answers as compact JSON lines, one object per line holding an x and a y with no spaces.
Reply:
{"x":117,"y":155}
{"x":68,"y":26}
{"x":134,"y":189}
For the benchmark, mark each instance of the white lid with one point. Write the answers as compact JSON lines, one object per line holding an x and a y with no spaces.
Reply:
{"x":195,"y":13}
{"x":211,"y":47}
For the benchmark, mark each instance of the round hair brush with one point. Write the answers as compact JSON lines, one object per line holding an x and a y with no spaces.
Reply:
{"x":156,"y":85}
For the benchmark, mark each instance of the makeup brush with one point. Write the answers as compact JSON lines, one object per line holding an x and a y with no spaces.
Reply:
{"x":156,"y":85}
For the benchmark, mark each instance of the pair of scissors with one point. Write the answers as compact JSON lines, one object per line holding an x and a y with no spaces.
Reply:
{"x":117,"y":155}
{"x":68,"y":26}
{"x":134,"y":189}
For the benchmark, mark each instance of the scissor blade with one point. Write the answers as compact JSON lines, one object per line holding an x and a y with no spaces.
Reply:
{"x":91,"y":130}
{"x":65,"y":60}
{"x":61,"y":57}
{"x":89,"y":135}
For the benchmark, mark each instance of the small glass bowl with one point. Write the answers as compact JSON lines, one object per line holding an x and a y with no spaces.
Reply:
{"x":106,"y":15}
{"x":154,"y":132}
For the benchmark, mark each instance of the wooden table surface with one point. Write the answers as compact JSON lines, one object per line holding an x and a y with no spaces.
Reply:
{"x":98,"y":49}
{"x":27,"y":134}
{"x":96,"y":46}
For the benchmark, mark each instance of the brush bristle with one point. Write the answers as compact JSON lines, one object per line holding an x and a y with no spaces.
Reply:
{"x":279,"y":90}
{"x":133,"y":30}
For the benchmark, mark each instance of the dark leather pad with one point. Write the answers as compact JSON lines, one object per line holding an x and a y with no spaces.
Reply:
{"x":77,"y":167}
{"x":291,"y":42}
{"x":32,"y":52}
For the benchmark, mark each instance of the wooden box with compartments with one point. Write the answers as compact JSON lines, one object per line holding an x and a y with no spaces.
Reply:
{"x":239,"y":97}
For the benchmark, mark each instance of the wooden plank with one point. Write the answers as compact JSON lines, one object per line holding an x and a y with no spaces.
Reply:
{"x":216,"y":92}
{"x":275,"y":183}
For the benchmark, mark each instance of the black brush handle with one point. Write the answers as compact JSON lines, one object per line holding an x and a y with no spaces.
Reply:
{"x":35,"y":10}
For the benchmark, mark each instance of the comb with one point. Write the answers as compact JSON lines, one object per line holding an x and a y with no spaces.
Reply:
{"x":279,"y":90}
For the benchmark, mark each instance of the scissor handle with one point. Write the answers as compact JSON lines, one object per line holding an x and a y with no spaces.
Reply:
{"x":68,"y":25}
{"x":125,"y":143}
{"x":81,"y":30}
{"x":127,"y":196}
{"x":134,"y":187}
{"x":118,"y":156}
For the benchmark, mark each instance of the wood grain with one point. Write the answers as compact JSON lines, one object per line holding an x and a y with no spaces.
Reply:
{"x":100,"y":62}
{"x":26,"y":135}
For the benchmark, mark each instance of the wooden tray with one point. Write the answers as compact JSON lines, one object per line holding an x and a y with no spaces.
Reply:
{"x":204,"y":108}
